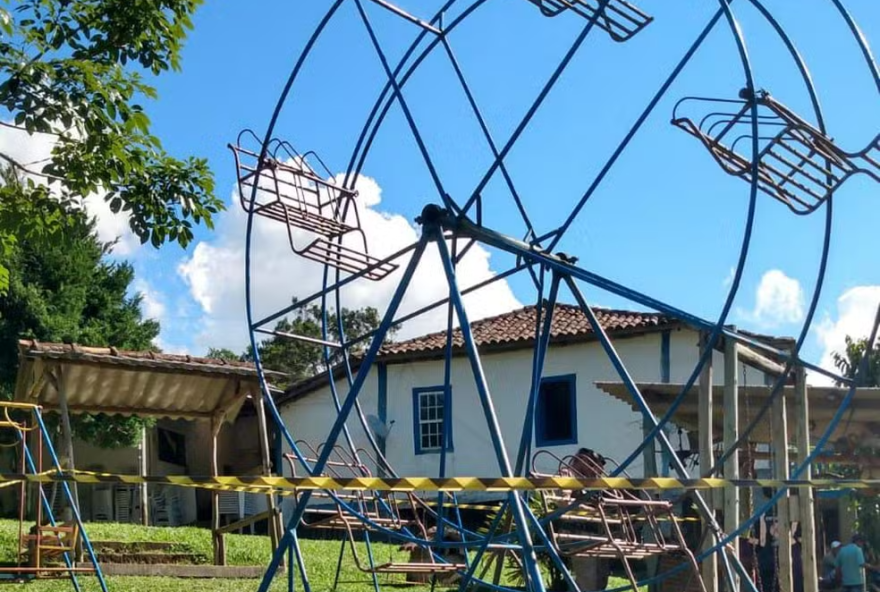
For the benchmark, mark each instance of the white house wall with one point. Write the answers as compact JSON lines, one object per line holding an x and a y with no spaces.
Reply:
{"x":603,"y":423}
{"x":310,"y":419}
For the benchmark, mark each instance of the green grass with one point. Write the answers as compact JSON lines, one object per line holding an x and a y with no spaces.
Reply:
{"x":321,"y":558}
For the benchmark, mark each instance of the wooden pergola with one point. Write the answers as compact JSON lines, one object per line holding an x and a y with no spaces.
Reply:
{"x":716,"y":414}
{"x":72,"y":379}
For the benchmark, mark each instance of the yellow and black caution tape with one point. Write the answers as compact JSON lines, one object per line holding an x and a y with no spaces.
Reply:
{"x":258,"y":484}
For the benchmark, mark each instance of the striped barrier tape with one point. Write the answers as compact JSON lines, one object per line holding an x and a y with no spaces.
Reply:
{"x":261,"y":484}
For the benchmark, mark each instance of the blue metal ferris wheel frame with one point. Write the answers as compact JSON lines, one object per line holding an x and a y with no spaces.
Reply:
{"x":561,"y":270}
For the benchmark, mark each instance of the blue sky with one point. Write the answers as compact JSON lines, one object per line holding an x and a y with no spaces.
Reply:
{"x":667,"y":220}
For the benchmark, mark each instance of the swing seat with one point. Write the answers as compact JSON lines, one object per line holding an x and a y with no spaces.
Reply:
{"x":619,"y":18}
{"x":347,"y":259}
{"x":608,"y":524}
{"x":798,"y":165}
{"x":416,"y":568}
{"x":47,"y":543}
{"x":282,"y":185}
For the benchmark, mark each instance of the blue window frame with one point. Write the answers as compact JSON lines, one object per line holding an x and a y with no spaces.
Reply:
{"x":430,"y":405}
{"x":556,"y":411}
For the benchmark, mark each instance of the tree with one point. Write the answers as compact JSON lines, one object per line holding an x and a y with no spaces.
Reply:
{"x":848,"y":361}
{"x":866,"y":506}
{"x":72,"y":69}
{"x":223,"y":353}
{"x":300,"y":359}
{"x":64,"y":290}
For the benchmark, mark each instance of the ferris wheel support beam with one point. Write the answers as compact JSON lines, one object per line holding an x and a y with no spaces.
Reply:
{"x":533,"y":575}
{"x":647,"y":414}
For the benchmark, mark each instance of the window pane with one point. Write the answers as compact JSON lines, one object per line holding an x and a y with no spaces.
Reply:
{"x":556,"y":405}
{"x":430,"y":424}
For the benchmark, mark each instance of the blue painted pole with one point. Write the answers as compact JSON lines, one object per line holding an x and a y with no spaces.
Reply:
{"x":47,"y":507}
{"x":542,"y":342}
{"x":529,"y":557}
{"x":87,"y":543}
{"x":362,"y":374}
{"x":639,"y":399}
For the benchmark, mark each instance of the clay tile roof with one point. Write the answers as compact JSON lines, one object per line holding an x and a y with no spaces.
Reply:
{"x":517,"y":328}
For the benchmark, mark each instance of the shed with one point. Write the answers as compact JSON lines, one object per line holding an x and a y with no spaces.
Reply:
{"x":74,"y":379}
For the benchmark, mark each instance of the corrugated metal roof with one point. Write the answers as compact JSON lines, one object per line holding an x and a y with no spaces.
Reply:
{"x":107,"y":380}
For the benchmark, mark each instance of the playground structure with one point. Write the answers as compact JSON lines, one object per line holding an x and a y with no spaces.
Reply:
{"x":47,"y":546}
{"x":756,"y":138}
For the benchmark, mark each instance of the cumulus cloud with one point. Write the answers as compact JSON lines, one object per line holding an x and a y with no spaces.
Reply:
{"x":779,"y":300}
{"x":152,"y":302}
{"x":215,"y":273}
{"x":32,"y":151}
{"x":856,"y":309}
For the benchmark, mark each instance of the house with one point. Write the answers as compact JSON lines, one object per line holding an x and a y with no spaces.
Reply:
{"x":403,"y":394}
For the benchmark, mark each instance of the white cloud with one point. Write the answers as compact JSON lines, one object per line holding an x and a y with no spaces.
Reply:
{"x":728,"y":279}
{"x":32,"y":151}
{"x":215,"y":274}
{"x":152,"y":302}
{"x":856,"y":309}
{"x":779,"y":300}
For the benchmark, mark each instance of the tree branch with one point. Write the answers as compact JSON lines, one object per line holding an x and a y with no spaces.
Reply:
{"x":23,"y":168}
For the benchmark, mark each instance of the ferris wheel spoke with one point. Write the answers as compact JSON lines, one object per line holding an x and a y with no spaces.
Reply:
{"x":647,"y":413}
{"x":557,"y":234}
{"x":408,"y":17}
{"x":459,"y":74}
{"x":533,"y":108}
{"x":398,"y":94}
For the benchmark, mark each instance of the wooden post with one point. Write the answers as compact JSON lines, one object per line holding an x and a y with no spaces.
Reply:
{"x":731,"y":433}
{"x":143,"y":467}
{"x":806,"y":507}
{"x":704,"y":418}
{"x":219,"y":541}
{"x":780,"y":471}
{"x":67,"y":437}
{"x":266,"y":457}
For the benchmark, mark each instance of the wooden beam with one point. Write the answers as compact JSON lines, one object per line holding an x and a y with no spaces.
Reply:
{"x":219,"y":541}
{"x":752,"y":358}
{"x":779,"y":435}
{"x":806,"y":505}
{"x":144,"y":469}
{"x":266,"y":457}
{"x":67,"y":436}
{"x":76,"y":409}
{"x":731,"y":433}
{"x":245,"y":522}
{"x":709,"y":566}
{"x":66,"y":459}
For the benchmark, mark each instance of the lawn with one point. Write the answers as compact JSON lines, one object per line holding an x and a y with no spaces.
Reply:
{"x":321,"y":557}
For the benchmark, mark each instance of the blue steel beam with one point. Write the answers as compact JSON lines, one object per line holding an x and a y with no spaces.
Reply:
{"x":542,"y":341}
{"x":530,"y":559}
{"x":346,"y":408}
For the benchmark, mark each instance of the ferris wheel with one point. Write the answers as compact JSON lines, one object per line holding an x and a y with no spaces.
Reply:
{"x":773,"y":151}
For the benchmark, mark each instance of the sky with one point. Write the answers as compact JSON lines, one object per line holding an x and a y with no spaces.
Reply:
{"x":665,"y":220}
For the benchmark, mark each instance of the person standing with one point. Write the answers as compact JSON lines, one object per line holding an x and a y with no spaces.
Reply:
{"x":829,"y":566}
{"x":850,"y":564}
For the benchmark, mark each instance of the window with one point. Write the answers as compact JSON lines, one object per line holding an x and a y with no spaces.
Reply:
{"x":429,"y":409}
{"x":171,"y":447}
{"x":556,"y":412}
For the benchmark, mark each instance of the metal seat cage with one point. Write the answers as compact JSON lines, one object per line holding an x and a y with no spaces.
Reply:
{"x":290,"y":176}
{"x":608,"y":524}
{"x":378,"y":507}
{"x":287,"y":188}
{"x":619,"y":18}
{"x":798,"y":164}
